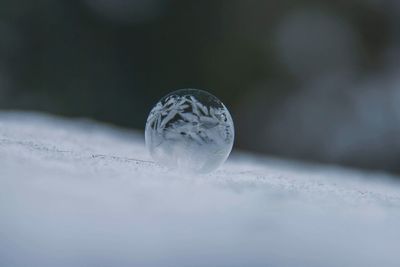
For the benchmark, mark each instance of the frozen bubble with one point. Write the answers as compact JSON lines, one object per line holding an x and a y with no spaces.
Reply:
{"x":190,"y":130}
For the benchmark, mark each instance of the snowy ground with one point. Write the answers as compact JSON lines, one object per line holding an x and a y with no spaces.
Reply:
{"x":78,"y":193}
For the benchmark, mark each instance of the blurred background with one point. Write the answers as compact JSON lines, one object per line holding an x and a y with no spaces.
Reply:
{"x":309,"y":80}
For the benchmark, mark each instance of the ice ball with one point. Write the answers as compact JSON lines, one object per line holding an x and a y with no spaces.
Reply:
{"x":190,"y":130}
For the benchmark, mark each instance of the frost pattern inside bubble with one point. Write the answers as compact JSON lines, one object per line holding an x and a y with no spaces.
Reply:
{"x":191,"y":130}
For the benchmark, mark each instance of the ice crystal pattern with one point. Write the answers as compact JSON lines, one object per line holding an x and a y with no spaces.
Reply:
{"x":190,"y":130}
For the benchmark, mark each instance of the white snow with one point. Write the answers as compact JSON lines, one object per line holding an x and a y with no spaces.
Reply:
{"x":79,"y":193}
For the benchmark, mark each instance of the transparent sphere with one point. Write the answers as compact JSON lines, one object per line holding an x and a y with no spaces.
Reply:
{"x":190,"y":130}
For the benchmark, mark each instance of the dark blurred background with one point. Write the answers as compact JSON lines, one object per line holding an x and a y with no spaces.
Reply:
{"x":311,"y":80}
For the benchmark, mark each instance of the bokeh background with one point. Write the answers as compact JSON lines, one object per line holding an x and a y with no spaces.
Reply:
{"x":310,"y":80}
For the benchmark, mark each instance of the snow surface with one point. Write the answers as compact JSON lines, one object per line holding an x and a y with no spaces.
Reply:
{"x":80,"y":193}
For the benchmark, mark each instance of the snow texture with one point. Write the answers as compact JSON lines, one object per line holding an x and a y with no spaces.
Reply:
{"x":79,"y":193}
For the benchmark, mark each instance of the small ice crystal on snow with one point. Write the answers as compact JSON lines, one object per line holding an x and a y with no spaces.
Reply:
{"x":190,"y":130}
